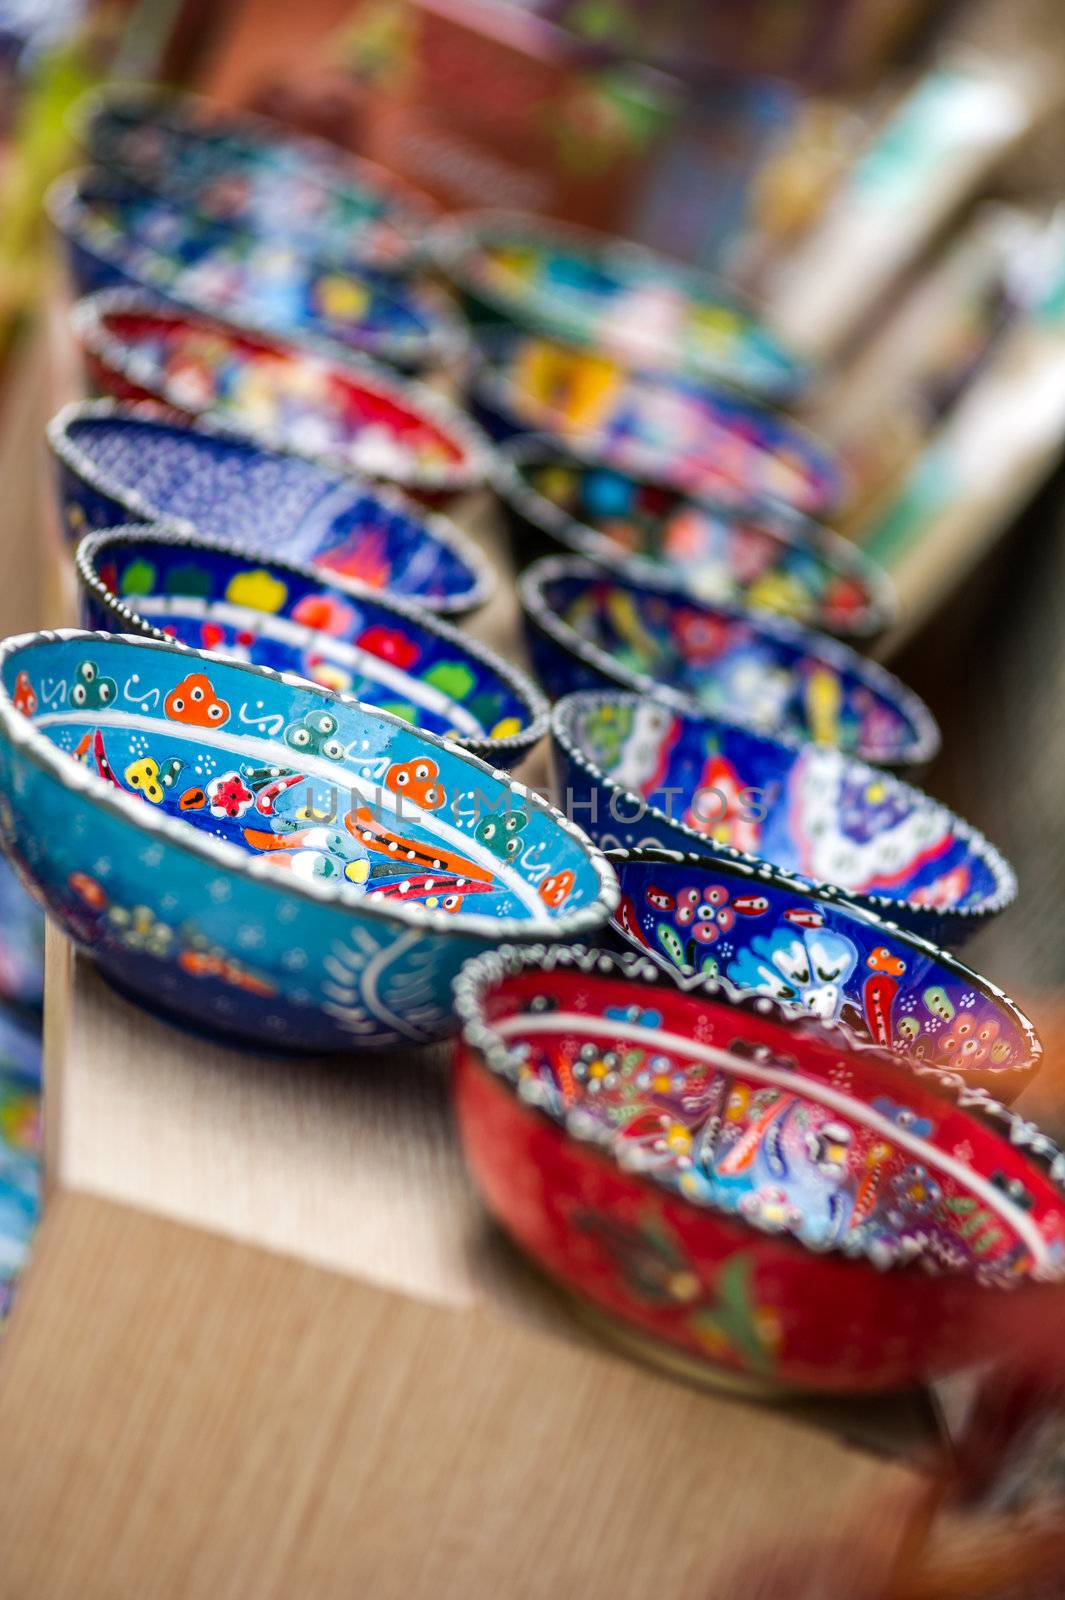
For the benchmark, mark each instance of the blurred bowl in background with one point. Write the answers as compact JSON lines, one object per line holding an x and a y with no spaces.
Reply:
{"x":590,"y":628}
{"x":609,"y":295}
{"x":121,"y":463}
{"x":758,"y":931}
{"x":256,"y":174}
{"x":353,"y":414}
{"x":121,"y":235}
{"x":693,"y":436}
{"x":638,"y":775}
{"x":382,"y":651}
{"x":737,"y":1196}
{"x":767,"y":557}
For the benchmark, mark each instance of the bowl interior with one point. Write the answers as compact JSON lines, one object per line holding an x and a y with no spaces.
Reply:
{"x":817,"y":957}
{"x":177,"y":250}
{"x":707,"y":440}
{"x":741,"y":1114}
{"x":728,"y":663}
{"x":638,"y":307}
{"x":302,"y":400}
{"x":230,"y":489}
{"x":766,"y":557}
{"x":812,"y":811}
{"x":280,"y":617}
{"x":280,"y":187}
{"x":299,"y":781}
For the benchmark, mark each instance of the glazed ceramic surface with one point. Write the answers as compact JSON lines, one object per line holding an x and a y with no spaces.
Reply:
{"x":766,"y":557}
{"x":248,"y":171}
{"x":635,"y":306}
{"x":588,"y":627}
{"x":696,"y":437}
{"x":762,"y":932}
{"x":141,"y":580}
{"x":123,"y":463}
{"x":261,"y":858}
{"x":355,"y":415}
{"x":748,"y":1192}
{"x":119,"y":234}
{"x":636,"y":774}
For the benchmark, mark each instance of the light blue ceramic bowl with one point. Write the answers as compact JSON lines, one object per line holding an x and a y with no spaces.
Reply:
{"x":119,"y":234}
{"x":253,"y":856}
{"x":134,"y":463}
{"x":160,"y":583}
{"x":637,"y":775}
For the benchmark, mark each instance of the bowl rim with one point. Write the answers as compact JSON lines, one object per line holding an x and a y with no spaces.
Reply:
{"x":492,"y":1055}
{"x":440,"y":528}
{"x":745,"y":866}
{"x":337,"y":168}
{"x":489,"y":358}
{"x":458,"y":239}
{"x":90,"y":547}
{"x":23,"y":734}
{"x":1006,"y":882}
{"x":925,"y":739}
{"x":840,"y":555}
{"x":71,"y":200}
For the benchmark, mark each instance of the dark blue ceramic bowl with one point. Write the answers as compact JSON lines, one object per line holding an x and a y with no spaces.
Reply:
{"x":694,"y":436}
{"x":762,"y":932}
{"x":259,"y":858}
{"x":388,"y":654}
{"x":245,"y":169}
{"x":636,"y":775}
{"x":133,"y":463}
{"x":589,"y":628}
{"x":765,"y":556}
{"x":119,"y":234}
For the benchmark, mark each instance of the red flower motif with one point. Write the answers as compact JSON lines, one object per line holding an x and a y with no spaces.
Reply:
{"x":389,"y":644}
{"x":229,"y":796}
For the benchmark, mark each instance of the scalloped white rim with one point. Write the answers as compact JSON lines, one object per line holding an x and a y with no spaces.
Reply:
{"x":220,"y":853}
{"x":568,"y":707}
{"x":88,"y":318}
{"x":86,"y":566}
{"x":926,"y":739}
{"x":441,"y":529}
{"x":482,"y":973}
{"x":839,"y":554}
{"x":458,"y":242}
{"x":778,"y":878}
{"x":334,"y":169}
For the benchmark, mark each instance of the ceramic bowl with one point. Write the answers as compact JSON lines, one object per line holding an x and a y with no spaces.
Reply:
{"x":134,"y":463}
{"x":354,"y":415}
{"x":606,"y":294}
{"x":250,"y":854}
{"x":249,"y":171}
{"x":588,"y":627}
{"x":738,"y":1194}
{"x":638,"y":775}
{"x":758,"y":931}
{"x":766,"y":557}
{"x":693,"y":436}
{"x":119,"y":234}
{"x":389,"y":654}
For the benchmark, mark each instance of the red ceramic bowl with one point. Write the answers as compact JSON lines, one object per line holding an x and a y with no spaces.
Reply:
{"x":350,"y":413}
{"x":735,"y":1193}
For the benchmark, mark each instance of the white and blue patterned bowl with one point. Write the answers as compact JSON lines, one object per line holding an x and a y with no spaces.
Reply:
{"x":160,"y":583}
{"x":639,"y":776}
{"x":247,"y":170}
{"x":135,"y":463}
{"x":249,"y":854}
{"x":120,"y":235}
{"x":589,"y":628}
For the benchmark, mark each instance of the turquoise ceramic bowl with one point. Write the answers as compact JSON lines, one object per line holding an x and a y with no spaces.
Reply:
{"x":244,"y":852}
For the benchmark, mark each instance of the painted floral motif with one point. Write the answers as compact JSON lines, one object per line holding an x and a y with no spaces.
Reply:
{"x":228,"y":796}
